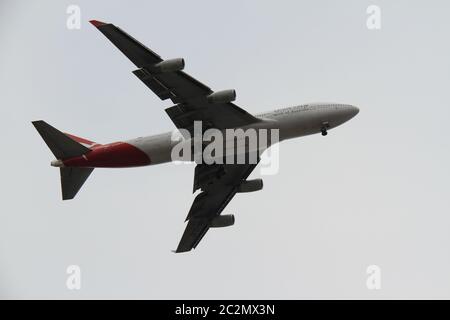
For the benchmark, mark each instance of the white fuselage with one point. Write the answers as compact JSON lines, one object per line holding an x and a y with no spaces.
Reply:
{"x":291,"y":122}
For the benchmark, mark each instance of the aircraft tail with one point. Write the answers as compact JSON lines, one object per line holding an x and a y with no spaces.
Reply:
{"x":65,"y":146}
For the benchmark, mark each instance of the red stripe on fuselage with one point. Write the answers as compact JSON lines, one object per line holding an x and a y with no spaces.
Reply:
{"x":113,"y":155}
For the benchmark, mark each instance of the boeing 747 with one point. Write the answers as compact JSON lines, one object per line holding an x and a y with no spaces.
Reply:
{"x":194,"y":102}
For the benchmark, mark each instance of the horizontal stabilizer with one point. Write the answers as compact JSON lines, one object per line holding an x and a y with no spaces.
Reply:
{"x":60,"y":144}
{"x":72,"y":179}
{"x":64,"y":147}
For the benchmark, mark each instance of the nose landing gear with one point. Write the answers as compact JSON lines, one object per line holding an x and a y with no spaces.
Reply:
{"x":324,"y":127}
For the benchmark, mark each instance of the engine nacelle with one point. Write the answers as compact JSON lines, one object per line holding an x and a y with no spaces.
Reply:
{"x":223,"y":96}
{"x":251,"y":185}
{"x":170,"y":65}
{"x":222,"y":221}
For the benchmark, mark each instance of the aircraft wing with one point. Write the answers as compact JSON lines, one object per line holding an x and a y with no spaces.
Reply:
{"x":189,"y":94}
{"x":218,"y":183}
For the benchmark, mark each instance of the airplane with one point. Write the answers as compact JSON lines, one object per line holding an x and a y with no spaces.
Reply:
{"x":193,"y":101}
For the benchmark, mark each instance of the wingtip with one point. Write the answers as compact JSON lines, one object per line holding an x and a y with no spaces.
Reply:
{"x":38,"y":123}
{"x":181,"y":250}
{"x":97,"y":23}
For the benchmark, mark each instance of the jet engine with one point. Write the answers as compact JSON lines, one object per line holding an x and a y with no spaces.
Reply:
{"x":223,"y":96}
{"x":251,"y":185}
{"x":222,"y":221}
{"x":170,"y":65}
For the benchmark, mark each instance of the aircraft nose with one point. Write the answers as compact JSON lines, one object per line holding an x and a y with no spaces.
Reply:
{"x":353,"y":111}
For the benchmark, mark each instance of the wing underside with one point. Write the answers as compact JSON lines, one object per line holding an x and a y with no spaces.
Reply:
{"x":188,"y":94}
{"x":218,"y":183}
{"x":216,"y":193}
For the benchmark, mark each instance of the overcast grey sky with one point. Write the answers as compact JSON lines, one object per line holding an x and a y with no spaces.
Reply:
{"x":374,"y":191}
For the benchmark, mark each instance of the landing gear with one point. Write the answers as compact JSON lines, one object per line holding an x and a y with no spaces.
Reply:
{"x":324,"y":127}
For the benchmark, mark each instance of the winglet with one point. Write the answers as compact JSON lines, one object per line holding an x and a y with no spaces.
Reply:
{"x":97,"y":23}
